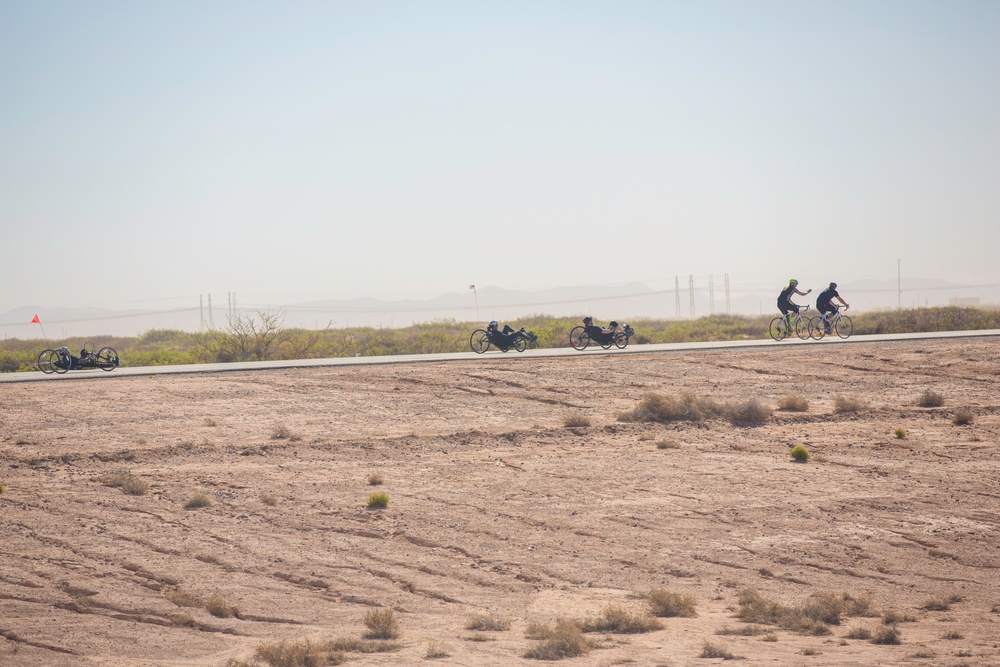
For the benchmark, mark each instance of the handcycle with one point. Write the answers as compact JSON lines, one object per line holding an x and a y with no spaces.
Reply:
{"x":782,"y":327}
{"x":481,"y":340}
{"x":579,"y":339}
{"x":60,"y":361}
{"x":838,"y":323}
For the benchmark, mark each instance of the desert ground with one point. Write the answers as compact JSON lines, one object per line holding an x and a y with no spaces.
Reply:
{"x":499,"y":510}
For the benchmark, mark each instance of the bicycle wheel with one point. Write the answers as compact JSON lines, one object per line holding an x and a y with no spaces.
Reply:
{"x":578,"y":338}
{"x":816,"y":330}
{"x":479,"y":341}
{"x":844,"y":326}
{"x":61,"y":362}
{"x":777,"y":328}
{"x":802,"y":328}
{"x":107,"y":359}
{"x":621,"y":340}
{"x":46,"y":361}
{"x":520,"y":344}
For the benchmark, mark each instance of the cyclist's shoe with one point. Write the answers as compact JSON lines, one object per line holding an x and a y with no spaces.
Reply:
{"x":828,"y":329}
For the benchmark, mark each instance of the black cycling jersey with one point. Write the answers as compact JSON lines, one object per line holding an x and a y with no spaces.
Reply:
{"x":786,"y":294}
{"x":824,"y":299}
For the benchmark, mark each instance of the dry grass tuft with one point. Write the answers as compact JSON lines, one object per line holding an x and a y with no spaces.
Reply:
{"x":282,"y":432}
{"x":487,"y":622}
{"x":748,"y":413}
{"x":667,"y":444}
{"x":793,"y":404}
{"x":381,"y":624}
{"x":962,"y":418}
{"x":562,"y":640}
{"x":376,"y":479}
{"x":269,"y":500}
{"x":930,"y":399}
{"x":198,"y":501}
{"x":577,"y":420}
{"x":859,"y":632}
{"x":617,"y":619}
{"x":296,"y":654}
{"x":218,"y":606}
{"x":745,"y":631}
{"x":183,"y":598}
{"x":843,"y":404}
{"x":349,"y":645}
{"x":378,"y":501}
{"x":711,"y":650}
{"x":887,"y":635}
{"x":671,"y":605}
{"x":814,"y":617}
{"x":126,"y":481}
{"x":434,"y":651}
{"x":936,"y":604}
{"x":663,"y":409}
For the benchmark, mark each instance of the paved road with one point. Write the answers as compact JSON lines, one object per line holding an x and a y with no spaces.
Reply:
{"x":466,"y":356}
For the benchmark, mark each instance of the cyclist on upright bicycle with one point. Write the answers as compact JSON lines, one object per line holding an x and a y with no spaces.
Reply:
{"x":825,"y":306}
{"x":785,"y":304}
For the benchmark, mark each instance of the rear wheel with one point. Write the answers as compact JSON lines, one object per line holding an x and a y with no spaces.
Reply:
{"x":46,"y":361}
{"x":816,"y":331}
{"x":844,"y":326}
{"x":61,"y":362}
{"x":578,"y":338}
{"x":520,"y":344}
{"x":479,"y":341}
{"x":107,"y":359}
{"x":777,"y":328}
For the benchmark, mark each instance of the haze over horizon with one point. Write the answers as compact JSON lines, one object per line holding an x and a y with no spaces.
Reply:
{"x":152,"y":153}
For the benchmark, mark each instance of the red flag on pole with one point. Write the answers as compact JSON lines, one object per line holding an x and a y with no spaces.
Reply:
{"x":470,"y":287}
{"x":35,"y":320}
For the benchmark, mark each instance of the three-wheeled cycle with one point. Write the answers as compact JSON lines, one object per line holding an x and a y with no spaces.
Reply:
{"x":60,"y":361}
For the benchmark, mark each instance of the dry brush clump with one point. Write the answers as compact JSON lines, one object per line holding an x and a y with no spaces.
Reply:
{"x":930,"y":399}
{"x":813,"y":617}
{"x":688,"y":407}
{"x":962,"y":417}
{"x":381,"y":624}
{"x":561,"y":640}
{"x":793,"y":404}
{"x":576,"y":420}
{"x":713,"y":650}
{"x":665,"y":604}
{"x":845,"y":404}
{"x":487,"y":623}
{"x":197,"y":501}
{"x":617,"y":619}
{"x":126,"y":481}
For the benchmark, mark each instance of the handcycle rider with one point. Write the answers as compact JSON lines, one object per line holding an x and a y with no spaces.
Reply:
{"x":601,"y":335}
{"x":785,"y":304}
{"x":825,"y":306}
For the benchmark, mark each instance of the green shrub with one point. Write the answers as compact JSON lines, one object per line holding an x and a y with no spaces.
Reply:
{"x":900,"y":433}
{"x":378,"y":501}
{"x":799,"y":453}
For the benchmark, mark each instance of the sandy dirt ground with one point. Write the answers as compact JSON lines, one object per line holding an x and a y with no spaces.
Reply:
{"x":498,"y":508}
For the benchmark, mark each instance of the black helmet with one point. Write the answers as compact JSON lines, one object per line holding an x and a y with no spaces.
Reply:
{"x":833,"y":285}
{"x":588,"y":319}
{"x":493,"y":324}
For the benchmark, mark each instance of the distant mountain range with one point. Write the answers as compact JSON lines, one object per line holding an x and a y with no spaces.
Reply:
{"x":605,"y":302}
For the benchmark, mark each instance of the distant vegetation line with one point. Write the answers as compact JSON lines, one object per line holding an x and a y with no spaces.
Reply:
{"x":261,"y":336}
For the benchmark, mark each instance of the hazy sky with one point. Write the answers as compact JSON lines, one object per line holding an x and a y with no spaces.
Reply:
{"x":154,"y":151}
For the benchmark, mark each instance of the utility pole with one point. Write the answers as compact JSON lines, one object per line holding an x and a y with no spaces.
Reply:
{"x":728,"y":311}
{"x":711,"y":295}
{"x":201,"y":309}
{"x":677,"y":295}
{"x":691,"y":290}
{"x":211,"y":320}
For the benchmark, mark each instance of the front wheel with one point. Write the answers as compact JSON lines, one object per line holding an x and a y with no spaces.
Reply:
{"x":816,"y":328}
{"x":46,"y":361}
{"x":479,"y":341}
{"x":802,"y":328}
{"x":844,"y":326}
{"x":777,"y":328}
{"x":520,"y":344}
{"x":621,"y":340}
{"x":61,"y":362}
{"x":578,"y":338}
{"x":107,"y":359}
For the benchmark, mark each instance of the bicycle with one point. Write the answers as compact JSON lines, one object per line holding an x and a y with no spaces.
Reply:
{"x":60,"y":361}
{"x":783,"y":326}
{"x":839,"y":324}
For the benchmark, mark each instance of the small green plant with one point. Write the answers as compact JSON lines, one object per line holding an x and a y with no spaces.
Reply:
{"x":381,"y":624}
{"x":712,"y":650}
{"x":930,"y":399}
{"x":577,"y":420}
{"x":900,"y":433}
{"x":487,"y":622}
{"x":962,"y":418}
{"x":378,"y":501}
{"x":799,"y":454}
{"x":670,"y":605}
{"x":667,"y":444}
{"x":562,"y":640}
{"x":375,"y":479}
{"x":887,"y":635}
{"x":793,"y":404}
{"x":197,"y":501}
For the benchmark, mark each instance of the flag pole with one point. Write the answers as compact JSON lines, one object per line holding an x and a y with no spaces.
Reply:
{"x":35,"y":320}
